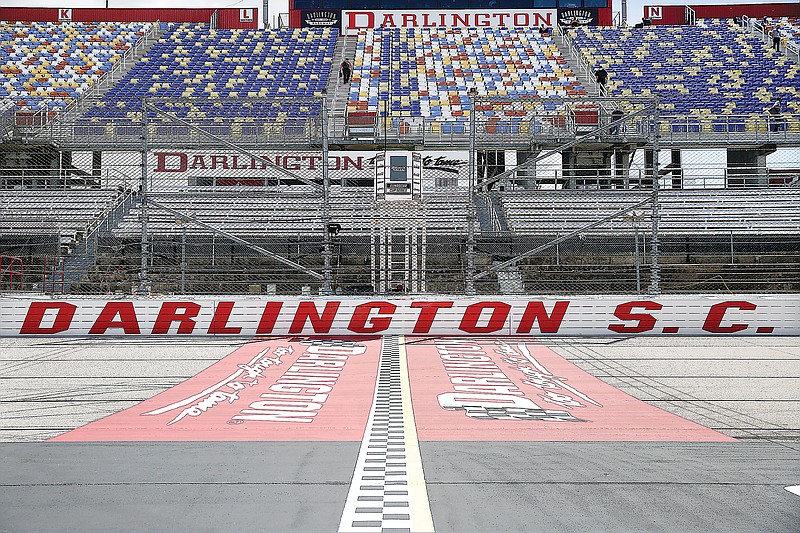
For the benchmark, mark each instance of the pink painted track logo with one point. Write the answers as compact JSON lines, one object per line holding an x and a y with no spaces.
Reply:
{"x":484,"y":390}
{"x":276,"y":389}
{"x":492,"y":389}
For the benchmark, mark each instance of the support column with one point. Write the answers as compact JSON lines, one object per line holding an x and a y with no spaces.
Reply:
{"x":676,"y":169}
{"x":97,"y":169}
{"x":144,"y":280}
{"x":621,"y":169}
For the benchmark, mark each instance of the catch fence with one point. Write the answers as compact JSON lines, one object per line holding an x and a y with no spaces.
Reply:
{"x":194,"y":198}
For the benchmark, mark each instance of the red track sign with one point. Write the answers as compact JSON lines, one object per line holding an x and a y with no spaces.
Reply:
{"x":518,"y":390}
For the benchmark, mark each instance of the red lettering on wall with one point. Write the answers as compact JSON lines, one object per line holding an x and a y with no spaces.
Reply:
{"x":361,"y":315}
{"x":535,"y":311}
{"x":717,"y":313}
{"x":161,"y":162}
{"x":219,"y":324}
{"x":428,"y":314}
{"x":268,"y":318}
{"x":307,"y":310}
{"x":409,"y":20}
{"x":127,"y":319}
{"x":183,"y":312}
{"x":32,"y":325}
{"x":219,"y":161}
{"x":644,"y":322}
{"x":473,"y":314}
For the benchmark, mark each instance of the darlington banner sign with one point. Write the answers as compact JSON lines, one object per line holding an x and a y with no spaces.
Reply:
{"x":611,"y":315}
{"x":229,"y":168}
{"x":355,"y":21}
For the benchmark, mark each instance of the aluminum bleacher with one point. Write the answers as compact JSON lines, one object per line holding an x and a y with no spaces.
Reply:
{"x":289,"y":213}
{"x":65,"y":212}
{"x":685,"y":212}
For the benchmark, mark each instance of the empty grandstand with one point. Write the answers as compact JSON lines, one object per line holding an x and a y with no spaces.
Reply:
{"x":46,"y":66}
{"x":712,"y":69}
{"x":457,"y":160}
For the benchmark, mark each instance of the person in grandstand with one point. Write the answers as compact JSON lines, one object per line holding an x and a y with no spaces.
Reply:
{"x":775,"y":111}
{"x":776,"y":39}
{"x":616,"y":116}
{"x":345,"y":71}
{"x":601,"y":76}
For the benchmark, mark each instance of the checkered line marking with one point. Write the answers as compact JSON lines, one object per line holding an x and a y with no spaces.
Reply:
{"x":516,"y":413}
{"x":379,"y":499}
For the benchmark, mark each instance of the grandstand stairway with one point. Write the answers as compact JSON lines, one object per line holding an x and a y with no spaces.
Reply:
{"x":585,"y":77}
{"x":83,"y":258}
{"x":483,"y":208}
{"x":337,"y":92}
{"x":491,"y":218}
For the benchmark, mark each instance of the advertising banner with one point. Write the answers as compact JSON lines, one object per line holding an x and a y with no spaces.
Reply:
{"x":354,"y":168}
{"x":281,"y":389}
{"x":499,"y":315}
{"x":499,"y":389}
{"x":355,"y":21}
{"x":321,"y":18}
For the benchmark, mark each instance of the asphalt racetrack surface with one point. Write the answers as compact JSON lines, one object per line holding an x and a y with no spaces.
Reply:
{"x":400,"y":434}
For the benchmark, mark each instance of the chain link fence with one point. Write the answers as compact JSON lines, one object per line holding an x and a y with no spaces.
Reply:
{"x":253,"y":197}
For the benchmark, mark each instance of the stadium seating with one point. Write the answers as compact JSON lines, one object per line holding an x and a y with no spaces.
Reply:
{"x":684,"y":212}
{"x":291,"y":213}
{"x":38,"y":212}
{"x":714,"y":68}
{"x":47,"y":65}
{"x":194,"y":61}
{"x":429,"y":72}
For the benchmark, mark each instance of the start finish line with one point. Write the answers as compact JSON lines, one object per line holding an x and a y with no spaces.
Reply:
{"x":579,"y":316}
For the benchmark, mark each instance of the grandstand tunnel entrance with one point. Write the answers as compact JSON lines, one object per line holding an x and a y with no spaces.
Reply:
{"x":748,"y":167}
{"x":46,"y":167}
{"x":601,"y":167}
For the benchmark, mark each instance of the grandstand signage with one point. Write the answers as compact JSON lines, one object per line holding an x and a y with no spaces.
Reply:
{"x":750,"y":315}
{"x":320,"y":18}
{"x":577,"y":17}
{"x":64,"y":15}
{"x":229,"y":168}
{"x":355,"y":21}
{"x":246,"y":15}
{"x":653,"y":12}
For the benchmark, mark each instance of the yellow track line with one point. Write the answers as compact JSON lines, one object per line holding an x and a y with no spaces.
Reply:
{"x":419,"y":506}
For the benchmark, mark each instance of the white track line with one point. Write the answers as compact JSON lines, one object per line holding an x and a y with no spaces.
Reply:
{"x":794,"y":489}
{"x":388,"y":493}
